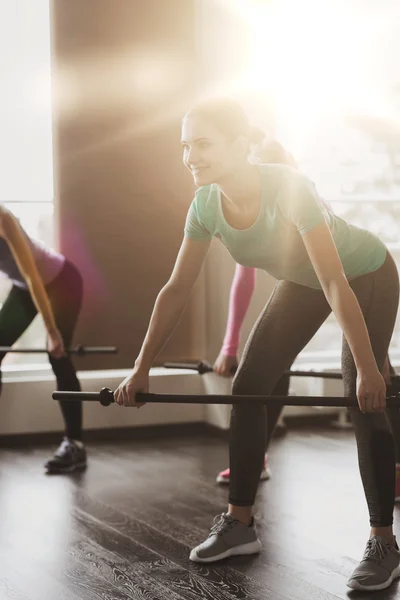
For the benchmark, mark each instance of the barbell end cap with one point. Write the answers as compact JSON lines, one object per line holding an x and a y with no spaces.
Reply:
{"x":203,"y":367}
{"x":80,"y":350}
{"x":106,"y":396}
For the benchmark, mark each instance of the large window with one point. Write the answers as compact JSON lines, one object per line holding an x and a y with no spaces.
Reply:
{"x":328,"y":87}
{"x":357,"y":168}
{"x":26,"y":182}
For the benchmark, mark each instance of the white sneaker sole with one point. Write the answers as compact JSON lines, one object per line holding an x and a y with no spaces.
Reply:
{"x":250,"y":548}
{"x":265,"y":475}
{"x":355,"y":585}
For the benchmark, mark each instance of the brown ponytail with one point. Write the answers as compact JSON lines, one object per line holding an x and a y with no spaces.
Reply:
{"x":273,"y":152}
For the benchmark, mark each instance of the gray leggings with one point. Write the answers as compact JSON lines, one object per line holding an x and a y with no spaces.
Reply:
{"x":292,"y":316}
{"x":273,"y":413}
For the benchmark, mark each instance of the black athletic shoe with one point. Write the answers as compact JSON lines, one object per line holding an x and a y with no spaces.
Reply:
{"x":67,"y":458}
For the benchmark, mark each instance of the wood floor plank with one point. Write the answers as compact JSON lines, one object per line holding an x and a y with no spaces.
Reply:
{"x":125,"y":527}
{"x":316,"y":573}
{"x":184,"y":528}
{"x":8,"y":591}
{"x":32,"y":580}
{"x":174,"y":565}
{"x":179,"y":553}
{"x":71,"y":579}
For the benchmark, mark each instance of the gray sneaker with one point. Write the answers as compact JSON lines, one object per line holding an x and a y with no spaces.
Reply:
{"x":227,"y":537}
{"x":379,"y":567}
{"x":69,"y":457}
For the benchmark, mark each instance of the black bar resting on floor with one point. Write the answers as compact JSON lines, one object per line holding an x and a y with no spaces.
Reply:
{"x":78,"y":350}
{"x":106,"y":397}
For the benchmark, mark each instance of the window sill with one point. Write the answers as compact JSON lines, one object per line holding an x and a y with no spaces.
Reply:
{"x":331,"y":360}
{"x":43,"y":372}
{"x":327,"y":360}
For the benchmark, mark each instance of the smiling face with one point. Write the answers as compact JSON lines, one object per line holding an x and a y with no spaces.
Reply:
{"x":208,"y":153}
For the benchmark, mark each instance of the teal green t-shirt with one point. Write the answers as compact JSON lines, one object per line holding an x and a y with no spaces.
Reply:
{"x":290,"y":207}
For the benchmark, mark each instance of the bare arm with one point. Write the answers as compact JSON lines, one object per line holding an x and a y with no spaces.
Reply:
{"x":328,"y":267}
{"x":172,"y":300}
{"x":11,"y":231}
{"x":167,"y":311}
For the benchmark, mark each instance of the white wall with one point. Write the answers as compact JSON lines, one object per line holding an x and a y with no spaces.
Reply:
{"x":27,"y":407}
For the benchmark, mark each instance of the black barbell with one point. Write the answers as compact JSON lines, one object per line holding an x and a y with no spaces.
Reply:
{"x":78,"y":350}
{"x":106,"y":397}
{"x":203,"y":367}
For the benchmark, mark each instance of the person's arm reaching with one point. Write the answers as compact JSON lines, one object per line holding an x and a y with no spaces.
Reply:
{"x":167,"y":311}
{"x":242,"y":290}
{"x":15,"y":238}
{"x":371,"y":389}
{"x":306,"y":211}
{"x":172,"y":300}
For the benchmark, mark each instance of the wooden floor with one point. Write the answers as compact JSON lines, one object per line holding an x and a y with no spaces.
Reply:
{"x":124,"y":528}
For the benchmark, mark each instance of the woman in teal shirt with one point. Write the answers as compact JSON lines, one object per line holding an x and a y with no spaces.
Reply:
{"x":271,"y":217}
